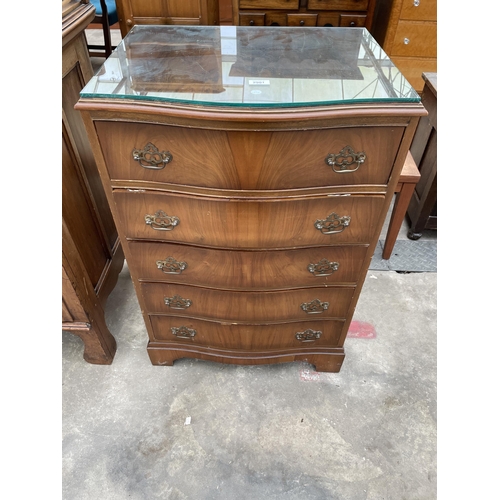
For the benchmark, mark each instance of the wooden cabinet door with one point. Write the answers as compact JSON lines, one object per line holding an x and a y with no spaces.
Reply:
{"x":187,"y":12}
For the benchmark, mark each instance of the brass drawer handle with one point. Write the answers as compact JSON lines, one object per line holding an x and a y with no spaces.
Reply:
{"x":315,"y":306}
{"x":347,"y":157}
{"x":308,"y":335}
{"x":150,"y":157}
{"x":161,"y":221}
{"x":171,"y":266}
{"x":183,"y":332}
{"x":332,"y":224}
{"x":177,"y":302}
{"x":323,"y":268}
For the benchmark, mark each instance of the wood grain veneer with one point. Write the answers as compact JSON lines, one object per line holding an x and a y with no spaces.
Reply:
{"x":241,"y":223}
{"x":249,"y":160}
{"x":242,"y":270}
{"x":240,"y":336}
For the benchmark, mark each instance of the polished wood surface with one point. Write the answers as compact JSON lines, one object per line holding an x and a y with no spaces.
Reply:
{"x":247,"y":336}
{"x":253,"y":224}
{"x":242,"y":270}
{"x":92,"y":256}
{"x":249,"y":160}
{"x":249,"y":306}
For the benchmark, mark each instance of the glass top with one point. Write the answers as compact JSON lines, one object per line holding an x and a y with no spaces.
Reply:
{"x":250,"y":66}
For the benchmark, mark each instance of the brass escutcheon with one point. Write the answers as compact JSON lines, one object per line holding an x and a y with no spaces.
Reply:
{"x":151,"y":157}
{"x":323,"y":268}
{"x":183,"y":332}
{"x":161,"y":221}
{"x":177,"y":302}
{"x":347,"y":157}
{"x":332,"y":224}
{"x":308,"y":335}
{"x":315,"y":306}
{"x":171,"y":266}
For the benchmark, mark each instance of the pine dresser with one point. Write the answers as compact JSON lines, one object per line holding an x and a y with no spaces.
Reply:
{"x":249,"y":171}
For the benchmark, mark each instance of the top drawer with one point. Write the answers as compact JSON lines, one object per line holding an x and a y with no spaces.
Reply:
{"x":337,"y":5}
{"x":419,"y":10}
{"x":269,"y":4}
{"x":249,"y":160}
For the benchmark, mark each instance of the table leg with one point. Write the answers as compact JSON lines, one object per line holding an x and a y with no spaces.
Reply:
{"x":398,"y":214}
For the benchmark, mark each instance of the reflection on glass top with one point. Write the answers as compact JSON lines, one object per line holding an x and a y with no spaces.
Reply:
{"x":250,"y":67}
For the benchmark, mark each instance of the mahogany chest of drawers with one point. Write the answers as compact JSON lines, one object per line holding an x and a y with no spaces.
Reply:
{"x":249,"y":215}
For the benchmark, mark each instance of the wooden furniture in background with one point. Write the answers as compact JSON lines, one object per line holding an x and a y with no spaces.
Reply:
{"x":422,"y":209}
{"x":407,"y":31}
{"x":226,"y":12}
{"x":344,"y":13}
{"x":249,"y":228}
{"x":187,"y":12}
{"x":92,"y":256}
{"x":404,"y":191}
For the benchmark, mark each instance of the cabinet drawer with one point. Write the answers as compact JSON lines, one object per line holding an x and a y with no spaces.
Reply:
{"x":250,"y":160}
{"x":418,"y":39}
{"x":252,"y":19}
{"x":253,"y":307}
{"x":337,"y":4}
{"x":269,"y":4}
{"x":352,"y":20}
{"x":249,"y":223}
{"x":230,"y":269}
{"x":247,"y":337}
{"x":419,"y":10}
{"x":301,"y":19}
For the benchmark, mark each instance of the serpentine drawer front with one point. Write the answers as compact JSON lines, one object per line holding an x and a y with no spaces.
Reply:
{"x":254,"y":306}
{"x":249,"y":172}
{"x":249,"y":223}
{"x":249,"y":160}
{"x":241,"y":336}
{"x":241,"y":270}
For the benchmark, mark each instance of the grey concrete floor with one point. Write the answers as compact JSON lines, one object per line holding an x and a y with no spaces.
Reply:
{"x":201,"y":430}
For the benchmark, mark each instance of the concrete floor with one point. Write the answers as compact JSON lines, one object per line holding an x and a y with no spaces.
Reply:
{"x":201,"y":430}
{"x":259,"y":432}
